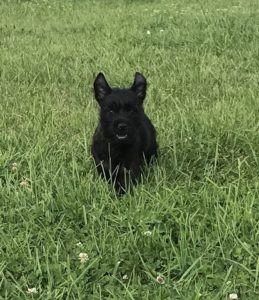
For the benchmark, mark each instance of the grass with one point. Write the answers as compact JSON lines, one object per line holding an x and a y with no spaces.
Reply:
{"x":195,"y":218}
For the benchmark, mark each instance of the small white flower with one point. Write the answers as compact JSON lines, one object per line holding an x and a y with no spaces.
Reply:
{"x":186,"y":139}
{"x":14,"y":167}
{"x":118,"y":262}
{"x":233,"y":296}
{"x":160,"y":279}
{"x":148,"y":32}
{"x":79,"y":244}
{"x":161,"y":30}
{"x":32,"y":290}
{"x":148,"y":233}
{"x":24,"y":183}
{"x":125,"y":277}
{"x":83,"y":257}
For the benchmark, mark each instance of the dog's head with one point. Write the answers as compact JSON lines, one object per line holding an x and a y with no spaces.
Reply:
{"x":121,"y":110}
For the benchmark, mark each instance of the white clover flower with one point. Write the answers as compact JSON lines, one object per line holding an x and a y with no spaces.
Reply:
{"x":79,"y":244}
{"x":148,"y":32}
{"x":233,"y":296}
{"x":24,"y":183}
{"x":83,"y":257}
{"x":125,"y":277}
{"x":160,"y":279}
{"x":148,"y":233}
{"x":14,"y":167}
{"x":32,"y":290}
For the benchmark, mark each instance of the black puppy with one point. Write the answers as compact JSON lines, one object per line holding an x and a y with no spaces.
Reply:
{"x":125,"y":137}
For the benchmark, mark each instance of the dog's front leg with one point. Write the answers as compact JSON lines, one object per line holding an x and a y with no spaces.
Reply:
{"x":128,"y":175}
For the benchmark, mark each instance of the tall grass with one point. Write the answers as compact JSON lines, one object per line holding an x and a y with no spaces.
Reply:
{"x":194,"y":221}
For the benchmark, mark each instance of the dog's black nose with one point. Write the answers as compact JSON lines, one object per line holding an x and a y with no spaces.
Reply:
{"x":122,"y":127}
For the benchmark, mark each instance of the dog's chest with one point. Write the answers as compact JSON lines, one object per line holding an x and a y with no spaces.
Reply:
{"x":112,"y":156}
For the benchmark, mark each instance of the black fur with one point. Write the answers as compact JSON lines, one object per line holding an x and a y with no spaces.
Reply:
{"x":125,"y":137}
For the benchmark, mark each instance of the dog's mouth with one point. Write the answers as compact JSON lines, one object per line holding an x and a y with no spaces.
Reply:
{"x":121,"y":136}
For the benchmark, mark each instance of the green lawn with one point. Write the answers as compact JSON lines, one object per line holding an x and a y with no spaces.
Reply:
{"x":195,"y":219}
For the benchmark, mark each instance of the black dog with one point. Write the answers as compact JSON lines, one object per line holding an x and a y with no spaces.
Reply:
{"x":125,"y":137}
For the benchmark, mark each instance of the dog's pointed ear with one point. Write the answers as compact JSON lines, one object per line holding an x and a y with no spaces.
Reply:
{"x":101,"y":87}
{"x":139,"y":86}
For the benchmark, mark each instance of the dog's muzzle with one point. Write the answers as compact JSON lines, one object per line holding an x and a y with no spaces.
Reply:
{"x":122,"y":131}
